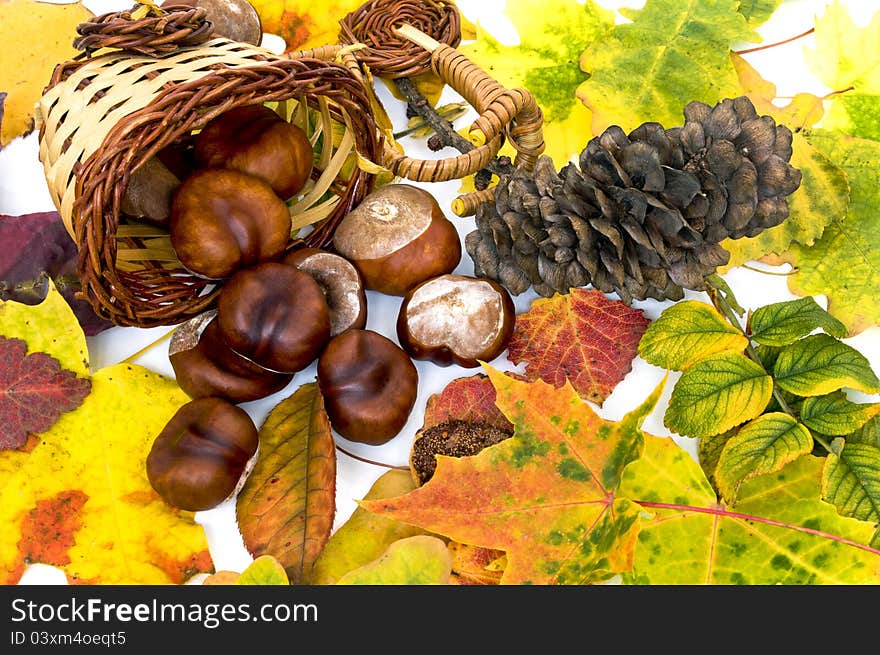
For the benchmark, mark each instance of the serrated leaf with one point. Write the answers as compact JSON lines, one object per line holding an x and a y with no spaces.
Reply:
{"x":843,"y":263}
{"x":779,"y":531}
{"x":845,"y":55}
{"x":819,"y":364}
{"x":851,"y":481}
{"x":835,"y":415}
{"x":783,"y":323}
{"x":761,"y":446}
{"x":552,"y":34}
{"x":716,"y":394}
{"x":709,"y":451}
{"x":286,"y":506}
{"x":35,"y":248}
{"x":687,"y":332}
{"x":57,"y":493}
{"x":364,"y":536}
{"x":545,"y":496}
{"x":581,"y":337}
{"x":868,"y":434}
{"x":418,"y":560}
{"x":669,"y":55}
{"x":466,"y":399}
{"x":264,"y":570}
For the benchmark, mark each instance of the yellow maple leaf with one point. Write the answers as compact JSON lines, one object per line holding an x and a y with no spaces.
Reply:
{"x":36,"y":36}
{"x":77,"y":495}
{"x":301,"y":24}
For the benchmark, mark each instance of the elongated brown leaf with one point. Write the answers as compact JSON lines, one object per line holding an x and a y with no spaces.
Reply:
{"x":286,"y":507}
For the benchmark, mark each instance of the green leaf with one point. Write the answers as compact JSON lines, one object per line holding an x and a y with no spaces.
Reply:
{"x":851,"y":480}
{"x":854,"y":114}
{"x":264,"y":570}
{"x":364,"y":536}
{"x":716,"y":394}
{"x":868,"y":434}
{"x":819,"y":364}
{"x":845,"y":55}
{"x":709,"y":451}
{"x":783,"y":323}
{"x":834,"y":414}
{"x":687,"y":332}
{"x":758,"y":11}
{"x":761,"y":446}
{"x":670,"y":54}
{"x":779,"y":531}
{"x":419,"y":560}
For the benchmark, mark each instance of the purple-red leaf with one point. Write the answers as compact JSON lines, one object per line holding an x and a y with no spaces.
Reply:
{"x":33,"y":248}
{"x":34,"y":392}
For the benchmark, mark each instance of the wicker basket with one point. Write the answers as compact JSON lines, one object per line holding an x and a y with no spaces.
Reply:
{"x":101,"y":117}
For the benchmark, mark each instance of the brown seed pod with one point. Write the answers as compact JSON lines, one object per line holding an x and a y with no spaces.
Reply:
{"x":223,"y":220}
{"x":369,"y":385}
{"x":397,"y":237}
{"x":200,"y":456}
{"x":456,"y":319}
{"x":149,"y":192}
{"x":341,"y":283}
{"x":453,"y":438}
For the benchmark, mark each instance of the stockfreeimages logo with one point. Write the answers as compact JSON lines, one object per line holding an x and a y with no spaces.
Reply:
{"x":208,"y":615}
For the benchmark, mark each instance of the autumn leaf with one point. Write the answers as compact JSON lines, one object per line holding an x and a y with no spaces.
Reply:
{"x":474,"y":565}
{"x":299,"y":23}
{"x":551,"y":37}
{"x":778,"y":532}
{"x":545,"y":496}
{"x":418,"y":560}
{"x":264,"y":570}
{"x":819,"y":364}
{"x":35,"y":248}
{"x":582,"y":337}
{"x":834,"y":414}
{"x":671,"y":53}
{"x":783,"y":323}
{"x":26,"y":69}
{"x":851,"y":480}
{"x":34,"y":392}
{"x":466,"y":399}
{"x":57,"y":493}
{"x":364,"y":536}
{"x":854,"y":114}
{"x":758,"y":11}
{"x":286,"y":506}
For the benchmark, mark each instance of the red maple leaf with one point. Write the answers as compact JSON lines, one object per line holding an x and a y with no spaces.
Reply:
{"x":582,"y":337}
{"x":34,"y":392}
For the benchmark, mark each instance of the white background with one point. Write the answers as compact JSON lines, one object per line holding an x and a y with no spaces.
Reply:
{"x":23,"y":190}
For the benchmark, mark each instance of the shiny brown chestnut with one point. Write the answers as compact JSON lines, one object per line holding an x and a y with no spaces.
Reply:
{"x":398,"y":237}
{"x":254,"y":139}
{"x":223,"y":220}
{"x":235,"y":19}
{"x":369,"y":385}
{"x":275,"y":315}
{"x":341,"y":283}
{"x":456,"y":319}
{"x":204,"y":365}
{"x":198,"y":459}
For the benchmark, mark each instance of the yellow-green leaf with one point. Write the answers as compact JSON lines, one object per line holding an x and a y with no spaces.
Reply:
{"x":845,"y":55}
{"x":300,"y":24}
{"x":716,"y":394}
{"x":418,"y":560}
{"x":364,"y":536}
{"x":761,"y":446}
{"x":819,"y":364}
{"x":854,"y":114}
{"x":671,"y":53}
{"x":758,"y":11}
{"x":264,"y":570}
{"x":687,"y":332}
{"x":834,"y":414}
{"x":868,"y":434}
{"x":851,"y":480}
{"x":58,"y":493}
{"x":783,"y":323}
{"x":286,"y":506}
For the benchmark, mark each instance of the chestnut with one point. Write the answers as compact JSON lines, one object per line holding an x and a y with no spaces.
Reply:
{"x":223,"y":220}
{"x":456,"y":319}
{"x":254,"y":139}
{"x":201,"y":454}
{"x":148,"y":194}
{"x":205,"y":365}
{"x":397,"y":237}
{"x":341,"y":283}
{"x":275,"y":315}
{"x":369,"y":385}
{"x":235,"y":19}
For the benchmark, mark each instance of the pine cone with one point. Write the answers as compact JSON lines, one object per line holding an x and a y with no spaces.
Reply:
{"x":640,"y":214}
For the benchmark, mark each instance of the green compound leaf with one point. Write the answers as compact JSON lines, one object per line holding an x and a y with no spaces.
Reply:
{"x":851,"y":480}
{"x":761,"y":446}
{"x":418,"y":560}
{"x":834,"y":414}
{"x":819,"y":364}
{"x":779,"y":531}
{"x":783,"y":323}
{"x":670,"y":54}
{"x":716,"y":394}
{"x":687,"y":332}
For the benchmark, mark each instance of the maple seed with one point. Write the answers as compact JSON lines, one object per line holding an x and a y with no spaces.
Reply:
{"x":453,"y":438}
